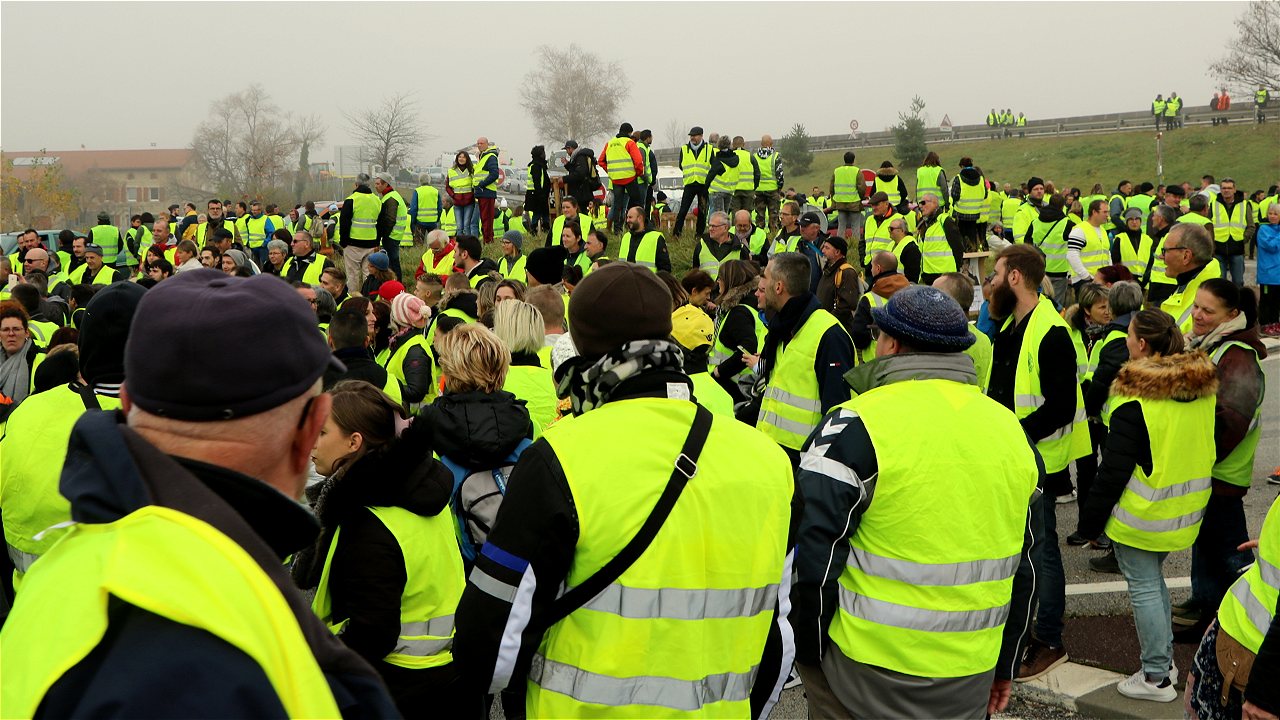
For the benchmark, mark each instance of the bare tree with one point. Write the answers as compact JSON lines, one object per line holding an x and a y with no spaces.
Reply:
{"x":1253,"y":58}
{"x":389,"y":133}
{"x":309,"y":132}
{"x":573,"y":94}
{"x":247,"y":145}
{"x":674,"y":132}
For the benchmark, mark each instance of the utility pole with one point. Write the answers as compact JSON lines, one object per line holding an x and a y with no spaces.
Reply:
{"x":1159,"y":159}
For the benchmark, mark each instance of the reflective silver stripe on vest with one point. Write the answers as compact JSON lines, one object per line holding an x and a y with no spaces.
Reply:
{"x":421,"y":648}
{"x":492,"y":586}
{"x":1065,"y":430}
{"x":359,"y":223}
{"x":438,"y":627}
{"x":666,"y":692}
{"x":21,"y":560}
{"x":939,"y":253}
{"x":1187,"y":487}
{"x":1259,"y":616}
{"x":792,"y":400}
{"x":959,"y":573}
{"x":791,"y":426}
{"x":883,"y":612}
{"x":682,"y":604}
{"x":1270,"y":573}
{"x":1170,"y":525}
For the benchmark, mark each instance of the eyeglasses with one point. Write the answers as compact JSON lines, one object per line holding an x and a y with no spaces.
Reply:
{"x":1166,"y":249}
{"x":875,"y":332}
{"x":719,"y":225}
{"x":12,"y":331}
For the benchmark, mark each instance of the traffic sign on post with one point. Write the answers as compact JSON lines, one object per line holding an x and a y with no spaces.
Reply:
{"x":853,"y":126}
{"x":946,"y":122}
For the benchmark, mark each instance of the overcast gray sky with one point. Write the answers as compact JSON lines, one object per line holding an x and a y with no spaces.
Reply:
{"x":111,"y":75}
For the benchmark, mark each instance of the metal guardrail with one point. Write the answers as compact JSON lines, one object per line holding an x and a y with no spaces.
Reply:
{"x":1052,"y":127}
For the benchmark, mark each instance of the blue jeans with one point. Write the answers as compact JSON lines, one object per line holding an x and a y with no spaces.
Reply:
{"x":1234,"y":264}
{"x":1143,"y":570}
{"x":468,"y":219}
{"x":1051,"y":579}
{"x":624,"y":198}
{"x":1215,"y":561}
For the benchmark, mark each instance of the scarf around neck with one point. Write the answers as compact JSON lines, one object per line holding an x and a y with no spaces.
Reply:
{"x":15,"y":374}
{"x":589,"y":384}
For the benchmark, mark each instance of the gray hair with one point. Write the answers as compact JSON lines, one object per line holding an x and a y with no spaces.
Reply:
{"x":440,"y":235}
{"x":930,"y":196}
{"x":792,"y":269}
{"x":1195,"y":238}
{"x":1168,"y":214}
{"x":721,"y":215}
{"x":325,"y":304}
{"x":1125,"y":297}
{"x":280,"y":245}
{"x":424,"y":179}
{"x":363,"y":178}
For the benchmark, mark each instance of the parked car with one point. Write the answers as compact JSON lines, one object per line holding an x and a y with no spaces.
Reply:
{"x":671,"y":182}
{"x":437,"y":175}
{"x":516,"y":181}
{"x":48,"y":238}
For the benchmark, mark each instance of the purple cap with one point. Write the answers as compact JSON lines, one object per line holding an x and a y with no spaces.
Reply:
{"x":258,"y":326}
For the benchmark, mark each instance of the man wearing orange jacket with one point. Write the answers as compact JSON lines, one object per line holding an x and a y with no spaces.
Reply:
{"x":621,"y":158}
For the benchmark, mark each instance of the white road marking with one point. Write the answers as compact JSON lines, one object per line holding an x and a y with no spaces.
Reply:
{"x":1114,"y":586}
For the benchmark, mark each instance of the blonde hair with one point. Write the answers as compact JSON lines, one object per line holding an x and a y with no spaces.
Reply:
{"x":519,"y":325}
{"x":472,"y":358}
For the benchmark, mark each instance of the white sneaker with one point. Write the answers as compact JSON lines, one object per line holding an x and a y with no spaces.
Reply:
{"x":1137,"y":687}
{"x":793,"y":680}
{"x":1068,"y":498}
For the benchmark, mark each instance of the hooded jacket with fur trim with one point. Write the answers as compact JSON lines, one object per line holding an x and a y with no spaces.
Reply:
{"x":1182,"y":378}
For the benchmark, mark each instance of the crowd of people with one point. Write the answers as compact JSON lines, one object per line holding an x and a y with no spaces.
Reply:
{"x":1168,"y":111}
{"x":1001,"y":122}
{"x":571,"y":481}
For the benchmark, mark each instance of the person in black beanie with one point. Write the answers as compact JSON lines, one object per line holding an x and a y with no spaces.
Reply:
{"x":546,"y":265}
{"x":35,"y":438}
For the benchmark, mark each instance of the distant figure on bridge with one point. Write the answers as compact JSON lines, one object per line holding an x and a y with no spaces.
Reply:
{"x":993,"y":121}
{"x":1173,"y":112}
{"x":1022,"y":125}
{"x":1220,"y":104}
{"x":1260,"y":100}
{"x":1157,"y":109}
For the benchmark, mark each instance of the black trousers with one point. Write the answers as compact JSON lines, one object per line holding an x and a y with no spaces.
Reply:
{"x":692,"y":190}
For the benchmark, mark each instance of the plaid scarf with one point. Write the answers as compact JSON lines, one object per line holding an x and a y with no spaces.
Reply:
{"x":589,"y":384}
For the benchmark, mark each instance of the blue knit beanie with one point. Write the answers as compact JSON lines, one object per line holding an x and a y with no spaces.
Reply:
{"x":926,"y":319}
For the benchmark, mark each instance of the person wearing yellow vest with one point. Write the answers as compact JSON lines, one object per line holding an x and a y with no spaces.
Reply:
{"x":904,"y":247}
{"x":486,"y":186}
{"x":695,"y":165}
{"x":923,"y":582}
{"x":393,"y":220}
{"x":136,"y":239}
{"x":1173,"y":112}
{"x":1034,"y":374}
{"x":512,"y":262}
{"x":386,"y":572}
{"x":720,"y":245}
{"x":1157,"y":109}
{"x":176,"y":558}
{"x":1245,"y":629}
{"x":438,"y":259}
{"x":358,"y":227}
{"x":768,"y":190}
{"x":519,"y":325}
{"x":1153,"y":485}
{"x":1029,"y":210}
{"x":746,"y":233}
{"x":1048,"y":233}
{"x":621,"y":159}
{"x":748,"y":177}
{"x":884,"y":280}
{"x":846,"y":197}
{"x":1087,"y":246}
{"x":932,"y":179}
{"x":959,"y":287}
{"x":889,"y":182}
{"x":1234,"y":223}
{"x":1160,"y":286}
{"x":1225,"y":327}
{"x":724,"y":647}
{"x":471,"y":262}
{"x":569,"y":212}
{"x":939,"y":240}
{"x":726,"y":169}
{"x":34,"y":443}
{"x":645,"y":247}
{"x":1132,"y":247}
{"x":875,"y":235}
{"x":805,"y":354}
{"x":968,"y":198}
{"x":304,"y":264}
{"x":94,"y":271}
{"x":106,"y":236}
{"x":1188,"y":259}
{"x":424,"y":208}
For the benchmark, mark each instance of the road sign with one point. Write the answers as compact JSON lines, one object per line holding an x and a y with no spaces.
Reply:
{"x":946,"y":122}
{"x":853,"y":126}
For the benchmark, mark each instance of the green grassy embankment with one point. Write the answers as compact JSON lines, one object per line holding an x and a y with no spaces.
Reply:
{"x":1248,"y":153}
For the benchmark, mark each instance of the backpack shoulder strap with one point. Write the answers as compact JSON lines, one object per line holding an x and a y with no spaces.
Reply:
{"x":685,"y":468}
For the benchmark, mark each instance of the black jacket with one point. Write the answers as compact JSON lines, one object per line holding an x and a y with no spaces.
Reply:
{"x":1111,"y":358}
{"x":360,"y":366}
{"x":134,"y":671}
{"x":367,"y":575}
{"x":950,"y":230}
{"x":581,"y":175}
{"x":721,"y":160}
{"x":969,"y":176}
{"x":1057,"y":360}
{"x":475,"y":429}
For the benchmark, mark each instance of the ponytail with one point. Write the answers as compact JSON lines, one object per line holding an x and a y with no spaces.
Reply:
{"x":1244,"y":300}
{"x":1159,"y":330}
